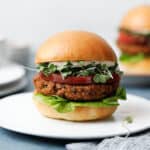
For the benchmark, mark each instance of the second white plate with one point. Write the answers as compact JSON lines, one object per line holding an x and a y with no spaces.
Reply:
{"x":11,"y":73}
{"x":18,"y":113}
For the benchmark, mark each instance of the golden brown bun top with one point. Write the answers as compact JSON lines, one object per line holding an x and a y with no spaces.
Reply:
{"x":75,"y":46}
{"x":137,"y":19}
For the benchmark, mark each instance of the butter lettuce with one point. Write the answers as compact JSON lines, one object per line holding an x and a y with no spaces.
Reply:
{"x":63,"y":105}
{"x":131,"y":58}
{"x":146,"y":33}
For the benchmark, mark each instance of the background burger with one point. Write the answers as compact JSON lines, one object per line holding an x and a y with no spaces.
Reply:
{"x":134,"y":41}
{"x":78,"y":77}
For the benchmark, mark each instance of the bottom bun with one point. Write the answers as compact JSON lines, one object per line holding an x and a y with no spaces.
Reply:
{"x":79,"y":114}
{"x":140,"y":68}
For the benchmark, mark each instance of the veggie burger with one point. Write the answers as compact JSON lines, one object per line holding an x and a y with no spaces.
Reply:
{"x":78,"y":77}
{"x":134,"y":41}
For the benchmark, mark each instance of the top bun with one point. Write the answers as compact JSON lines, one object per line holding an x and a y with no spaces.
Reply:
{"x":137,"y":19}
{"x":75,"y":46}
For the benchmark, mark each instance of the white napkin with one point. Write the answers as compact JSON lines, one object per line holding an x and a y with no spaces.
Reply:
{"x":116,"y":143}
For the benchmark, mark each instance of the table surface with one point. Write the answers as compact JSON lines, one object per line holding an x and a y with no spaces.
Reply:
{"x":15,"y":141}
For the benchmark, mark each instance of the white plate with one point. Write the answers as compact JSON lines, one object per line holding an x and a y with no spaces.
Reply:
{"x":11,"y":73}
{"x":12,"y":88}
{"x":18,"y":113}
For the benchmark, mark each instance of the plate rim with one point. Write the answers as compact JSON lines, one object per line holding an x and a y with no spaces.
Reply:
{"x":19,"y":86}
{"x":75,"y":138}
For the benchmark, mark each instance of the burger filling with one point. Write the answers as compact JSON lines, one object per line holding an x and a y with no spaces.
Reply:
{"x":135,"y":46}
{"x":72,"y":84}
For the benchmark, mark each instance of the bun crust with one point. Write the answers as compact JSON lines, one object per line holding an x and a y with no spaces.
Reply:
{"x":79,"y":114}
{"x":137,"y":19}
{"x":140,"y":68}
{"x":75,"y":46}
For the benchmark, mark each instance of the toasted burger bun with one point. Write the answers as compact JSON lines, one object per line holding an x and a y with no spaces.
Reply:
{"x":137,"y":19}
{"x":75,"y":46}
{"x":139,"y":68}
{"x":79,"y":114}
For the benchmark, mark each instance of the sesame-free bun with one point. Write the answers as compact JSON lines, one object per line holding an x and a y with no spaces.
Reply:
{"x":79,"y":114}
{"x":75,"y":46}
{"x":137,"y":19}
{"x":139,"y":68}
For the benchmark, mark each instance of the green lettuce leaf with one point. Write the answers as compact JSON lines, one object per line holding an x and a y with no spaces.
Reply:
{"x":131,"y":58}
{"x":63,"y":105}
{"x":145,"y":33}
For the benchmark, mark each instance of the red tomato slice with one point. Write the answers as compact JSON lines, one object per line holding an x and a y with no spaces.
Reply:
{"x":126,"y":38}
{"x":81,"y":80}
{"x":68,"y":80}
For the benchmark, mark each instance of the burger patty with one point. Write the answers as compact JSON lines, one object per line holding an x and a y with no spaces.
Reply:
{"x":142,"y":40}
{"x":134,"y":49}
{"x":75,"y":92}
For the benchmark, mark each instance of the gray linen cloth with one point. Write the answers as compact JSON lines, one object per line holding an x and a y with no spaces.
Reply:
{"x":141,"y":142}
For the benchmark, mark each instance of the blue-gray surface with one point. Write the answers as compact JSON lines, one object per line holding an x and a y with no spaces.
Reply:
{"x":14,"y":141}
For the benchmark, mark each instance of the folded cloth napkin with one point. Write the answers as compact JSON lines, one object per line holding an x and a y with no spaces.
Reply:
{"x":116,"y":143}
